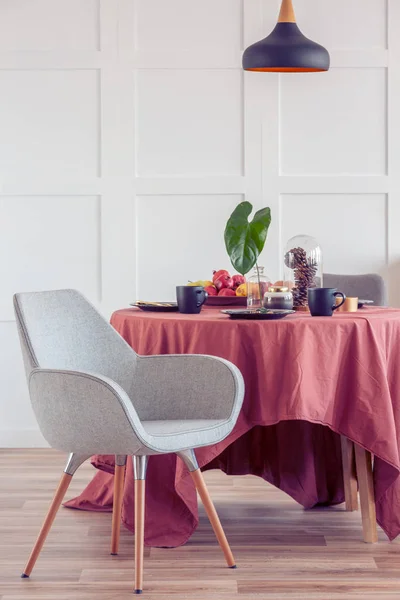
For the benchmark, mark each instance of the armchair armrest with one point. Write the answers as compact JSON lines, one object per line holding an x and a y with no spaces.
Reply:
{"x":193,"y":386}
{"x":84,"y":412}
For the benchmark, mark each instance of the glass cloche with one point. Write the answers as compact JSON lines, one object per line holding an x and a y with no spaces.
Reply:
{"x":257,"y":284}
{"x":302,"y":268}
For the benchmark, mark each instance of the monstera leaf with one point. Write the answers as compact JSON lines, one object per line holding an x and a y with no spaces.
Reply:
{"x":244,"y":239}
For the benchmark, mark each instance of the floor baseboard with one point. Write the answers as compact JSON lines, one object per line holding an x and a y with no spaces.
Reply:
{"x":22,"y":438}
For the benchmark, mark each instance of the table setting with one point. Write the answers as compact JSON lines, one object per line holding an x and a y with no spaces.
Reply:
{"x":318,"y":366}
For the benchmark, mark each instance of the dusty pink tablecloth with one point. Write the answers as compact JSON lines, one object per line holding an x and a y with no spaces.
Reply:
{"x":307,"y":379}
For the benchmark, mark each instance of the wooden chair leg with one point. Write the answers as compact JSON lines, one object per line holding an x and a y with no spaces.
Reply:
{"x":349,"y":474}
{"x":209,"y":507}
{"x":119,"y":476}
{"x":367,"y":497}
{"x":139,"y":533}
{"x":55,"y":505}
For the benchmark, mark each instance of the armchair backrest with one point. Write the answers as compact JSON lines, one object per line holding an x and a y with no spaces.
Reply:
{"x":60,"y":329}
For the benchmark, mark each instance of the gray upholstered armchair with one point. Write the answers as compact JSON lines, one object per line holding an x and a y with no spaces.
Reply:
{"x":92,"y":394}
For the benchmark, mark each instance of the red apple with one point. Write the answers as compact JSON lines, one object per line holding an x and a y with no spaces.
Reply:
{"x":226,"y":292}
{"x":238,"y":280}
{"x":211,"y":290}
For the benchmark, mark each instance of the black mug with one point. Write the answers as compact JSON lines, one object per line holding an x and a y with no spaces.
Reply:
{"x":190,"y":298}
{"x":322,"y":301}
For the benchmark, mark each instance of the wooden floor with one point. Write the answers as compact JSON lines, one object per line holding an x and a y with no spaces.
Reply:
{"x":281,"y":550}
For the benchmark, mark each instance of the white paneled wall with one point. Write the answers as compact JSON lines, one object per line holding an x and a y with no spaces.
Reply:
{"x":129,"y":132}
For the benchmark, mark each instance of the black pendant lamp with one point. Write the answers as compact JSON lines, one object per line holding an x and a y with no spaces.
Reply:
{"x":286,"y":49}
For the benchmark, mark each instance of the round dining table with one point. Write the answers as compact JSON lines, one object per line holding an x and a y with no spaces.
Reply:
{"x":309,"y":380}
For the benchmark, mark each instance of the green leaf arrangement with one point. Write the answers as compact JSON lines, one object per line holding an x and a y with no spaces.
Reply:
{"x":244,"y":239}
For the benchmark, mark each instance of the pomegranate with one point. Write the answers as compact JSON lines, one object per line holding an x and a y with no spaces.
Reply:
{"x":224,"y":281}
{"x":211,"y":290}
{"x":220,"y":273}
{"x":238,"y":280}
{"x":226,"y":292}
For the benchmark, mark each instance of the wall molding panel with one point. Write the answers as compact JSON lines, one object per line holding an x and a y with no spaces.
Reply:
{"x":129,"y":127}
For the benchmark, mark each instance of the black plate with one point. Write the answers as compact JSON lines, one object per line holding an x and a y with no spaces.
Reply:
{"x":362,"y":302}
{"x":157,"y":306}
{"x":266,"y":315}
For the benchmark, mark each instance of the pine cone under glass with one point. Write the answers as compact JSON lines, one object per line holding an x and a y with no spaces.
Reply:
{"x":305,"y":271}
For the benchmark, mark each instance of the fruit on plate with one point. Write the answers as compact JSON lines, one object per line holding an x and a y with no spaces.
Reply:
{"x":211,"y":290}
{"x":220,"y":273}
{"x":201,"y":283}
{"x":222,"y":279}
{"x":241,"y":290}
{"x":238,"y":280}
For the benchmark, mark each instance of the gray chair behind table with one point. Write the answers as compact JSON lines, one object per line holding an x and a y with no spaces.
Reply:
{"x":365,"y":287}
{"x":357,"y":463}
{"x":92,"y":394}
